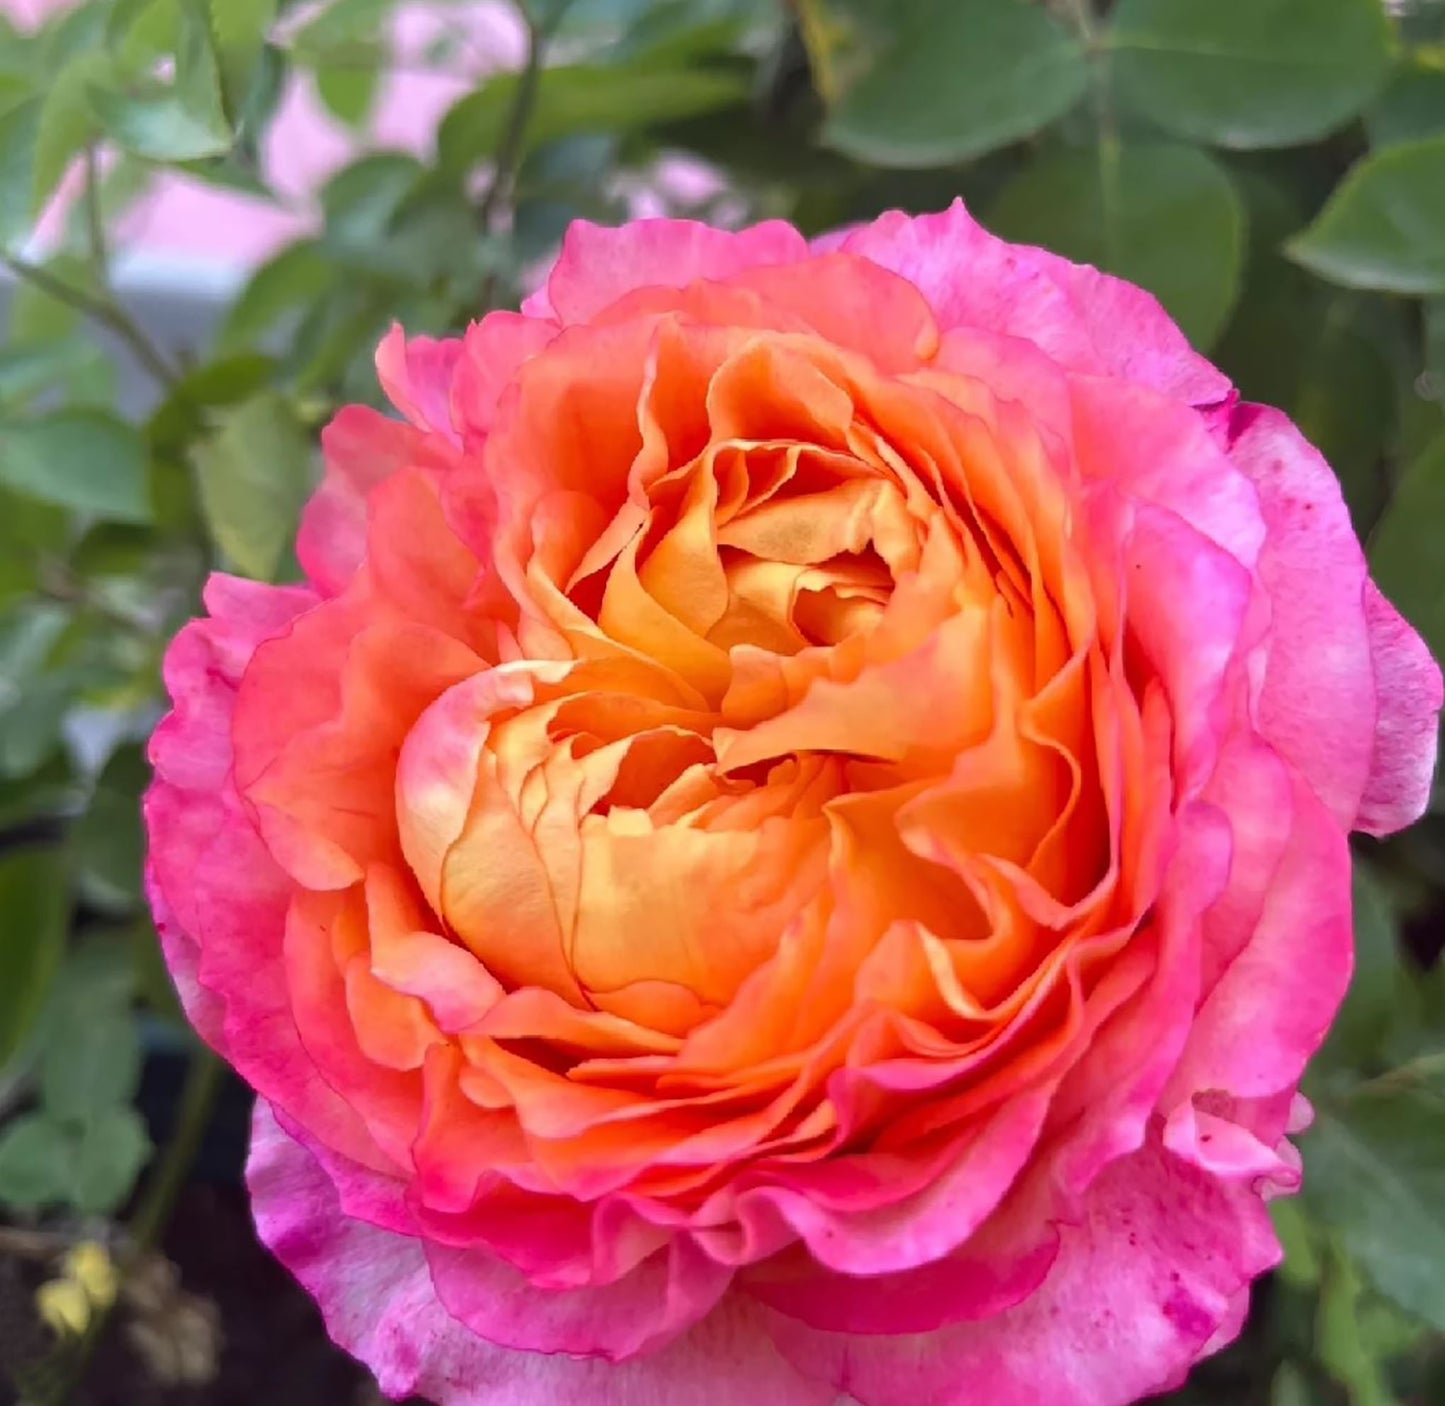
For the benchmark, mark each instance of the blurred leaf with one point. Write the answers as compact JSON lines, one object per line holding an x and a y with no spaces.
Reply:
{"x":1342,"y":1350}
{"x":1291,"y":1387}
{"x":1301,"y":1264}
{"x":349,"y":91}
{"x":1384,"y":228}
{"x":69,"y":32}
{"x":81,"y":459}
{"x":35,"y":316}
{"x":108,"y":842}
{"x":254,"y":474}
{"x":1162,"y":216}
{"x":182,"y":120}
{"x":1249,"y":73}
{"x":19,"y":128}
{"x":1376,"y":1162}
{"x":945,"y":80}
{"x":34,"y":909}
{"x":44,"y":792}
{"x":1404,"y":548}
{"x":183,"y":414}
{"x":299,"y":275}
{"x":35,"y":1161}
{"x":27,"y":368}
{"x":582,"y":98}
{"x":344,"y":27}
{"x":154,"y":984}
{"x":1412,"y":107}
{"x":1357,"y":1036}
{"x":67,"y":123}
{"x":92,"y":1063}
{"x":1345,"y":404}
{"x":241,"y":24}
{"x":111,"y":1151}
{"x":45,"y":1161}
{"x":361,"y":200}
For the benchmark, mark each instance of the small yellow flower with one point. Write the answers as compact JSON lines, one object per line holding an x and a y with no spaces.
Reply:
{"x":89,"y":1264}
{"x":64,"y":1306}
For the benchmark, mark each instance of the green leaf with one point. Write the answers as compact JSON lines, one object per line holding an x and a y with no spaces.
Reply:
{"x":241,"y":24}
{"x":1164,"y":216}
{"x":91,"y":1063}
{"x":82,"y":459}
{"x":1357,"y":1036}
{"x":183,"y":120}
{"x":1384,"y":227}
{"x":27,"y":368}
{"x":108,"y":842}
{"x":1249,"y":73}
{"x":1404,"y":548}
{"x":349,"y":91}
{"x":1411,"y":108}
{"x":1301,"y":1265}
{"x":952,"y":79}
{"x":254,"y":474}
{"x":349,"y":27}
{"x":583,"y":98}
{"x":285,"y":285}
{"x":19,"y":129}
{"x":111,"y":1151}
{"x":34,"y":910}
{"x":1346,"y":406}
{"x":1375,"y":1165}
{"x":1343,"y":1352}
{"x":36,"y":1157}
{"x":67,"y":121}
{"x":45,"y":1161}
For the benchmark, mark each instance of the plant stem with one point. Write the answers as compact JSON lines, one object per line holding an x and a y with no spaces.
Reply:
{"x":94,"y":222}
{"x":101,"y":309}
{"x":147,"y":1226}
{"x":514,"y":136}
{"x":1105,"y":119}
{"x":198,"y":1101}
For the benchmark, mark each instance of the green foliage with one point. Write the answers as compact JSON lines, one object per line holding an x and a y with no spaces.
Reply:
{"x":1272,"y":170}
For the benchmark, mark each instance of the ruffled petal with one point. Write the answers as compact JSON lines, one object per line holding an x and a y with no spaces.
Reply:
{"x":379,"y":1301}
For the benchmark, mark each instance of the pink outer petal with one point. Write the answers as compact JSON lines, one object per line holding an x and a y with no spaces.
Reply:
{"x":598,"y":265}
{"x":218,"y":897}
{"x":416,"y":374}
{"x":362,"y":449}
{"x":1270,"y":1009}
{"x":1146,"y":1283}
{"x":379,"y":1302}
{"x":1407,"y":682}
{"x":1084,"y":319}
{"x":1317,"y":705}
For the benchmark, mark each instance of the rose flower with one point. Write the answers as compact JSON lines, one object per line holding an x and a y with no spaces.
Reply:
{"x":793,"y":845}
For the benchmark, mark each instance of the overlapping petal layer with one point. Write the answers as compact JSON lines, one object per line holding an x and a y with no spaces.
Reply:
{"x":795,"y":833}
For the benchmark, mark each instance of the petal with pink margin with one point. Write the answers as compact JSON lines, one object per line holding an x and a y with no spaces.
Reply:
{"x":1407,"y":731}
{"x":1317,"y":705}
{"x":1084,"y":319}
{"x":362,"y":448}
{"x":377,"y":1297}
{"x":218,"y":898}
{"x":416,"y":374}
{"x":598,"y":265}
{"x":1145,"y":1284}
{"x":1247,"y":1040}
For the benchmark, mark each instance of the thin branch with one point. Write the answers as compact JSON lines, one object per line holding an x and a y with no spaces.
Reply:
{"x":514,"y":137}
{"x":102,"y":310}
{"x":94,"y":223}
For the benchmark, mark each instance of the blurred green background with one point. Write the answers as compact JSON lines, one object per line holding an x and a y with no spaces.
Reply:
{"x":1274,"y":170}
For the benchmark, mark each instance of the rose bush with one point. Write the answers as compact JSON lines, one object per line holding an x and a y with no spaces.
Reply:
{"x":793,"y":841}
